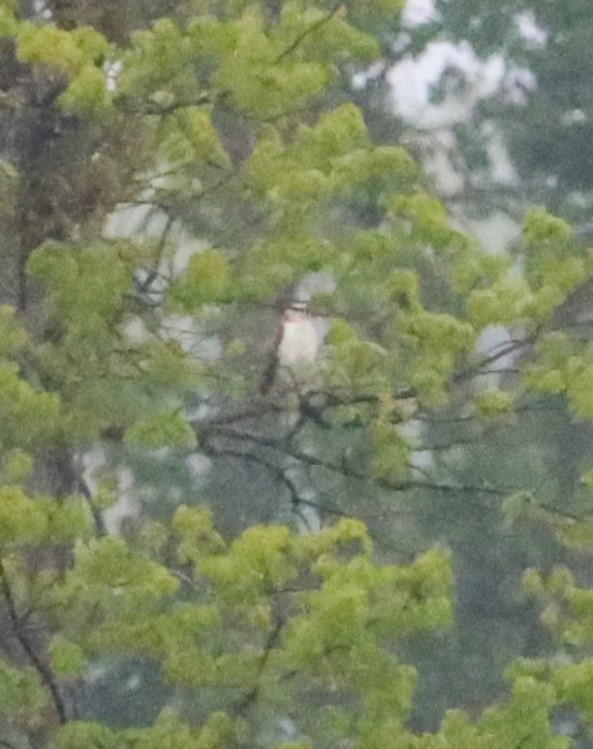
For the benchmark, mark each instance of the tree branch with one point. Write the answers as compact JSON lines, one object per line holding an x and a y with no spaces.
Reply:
{"x":271,"y":641}
{"x":45,"y":673}
{"x":344,"y":470}
{"x":309,"y":30}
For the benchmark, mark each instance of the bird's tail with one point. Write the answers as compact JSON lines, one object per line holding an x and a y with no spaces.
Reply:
{"x":269,"y":376}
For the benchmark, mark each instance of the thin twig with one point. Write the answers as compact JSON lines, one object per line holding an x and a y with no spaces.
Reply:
{"x":309,"y":30}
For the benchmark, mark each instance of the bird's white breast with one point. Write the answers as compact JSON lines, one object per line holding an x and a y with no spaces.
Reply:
{"x":299,"y":344}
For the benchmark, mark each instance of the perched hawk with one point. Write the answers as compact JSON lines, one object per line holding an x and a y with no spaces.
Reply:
{"x":298,"y":341}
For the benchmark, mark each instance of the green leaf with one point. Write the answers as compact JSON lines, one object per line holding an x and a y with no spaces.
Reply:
{"x":67,"y":657}
{"x":493,"y":404}
{"x":207,"y":280}
{"x":162,"y":429}
{"x":540,"y":226}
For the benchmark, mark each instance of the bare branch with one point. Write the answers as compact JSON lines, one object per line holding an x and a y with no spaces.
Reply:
{"x":155,"y":108}
{"x":343,"y":469}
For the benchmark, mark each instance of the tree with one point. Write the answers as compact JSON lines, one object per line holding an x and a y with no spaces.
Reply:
{"x":234,"y":122}
{"x":524,"y":137}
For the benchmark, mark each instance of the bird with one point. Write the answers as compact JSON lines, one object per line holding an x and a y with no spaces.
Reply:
{"x":298,"y":342}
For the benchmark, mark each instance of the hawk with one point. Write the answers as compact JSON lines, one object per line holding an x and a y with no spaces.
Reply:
{"x":298,"y":342}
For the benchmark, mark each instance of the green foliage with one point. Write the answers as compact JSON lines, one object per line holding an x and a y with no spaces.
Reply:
{"x":39,"y":45}
{"x":29,"y":417}
{"x":492,"y":404}
{"x":541,"y":227}
{"x":26,"y":521}
{"x":207,"y":280}
{"x":66,"y":657}
{"x":192,"y":139}
{"x":235,"y":122}
{"x":21,"y":693}
{"x":12,"y":335}
{"x":391,"y":452}
{"x":226,"y":632}
{"x":8,"y":21}
{"x":77,"y":54}
{"x":161,"y":430}
{"x":88,"y":284}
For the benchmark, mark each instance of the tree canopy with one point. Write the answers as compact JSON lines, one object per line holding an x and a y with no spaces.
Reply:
{"x":172,"y":175}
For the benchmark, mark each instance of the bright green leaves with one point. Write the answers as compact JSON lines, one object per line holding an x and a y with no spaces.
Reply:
{"x":12,"y":335}
{"x":271,"y":73}
{"x":21,"y":693}
{"x":525,"y":720}
{"x":391,"y":452}
{"x":540,"y":227}
{"x":433,"y":343}
{"x":87,"y":285}
{"x":105,"y":375}
{"x":68,"y":520}
{"x":67,"y":658}
{"x":325,"y":36}
{"x":29,"y":521}
{"x":305,"y":169}
{"x":456,"y":732}
{"x":172,"y":732}
{"x":559,"y":369}
{"x":259,"y":82}
{"x":196,"y":534}
{"x":8,"y":20}
{"x":267,"y":71}
{"x":206,"y":281}
{"x":257,"y":563}
{"x":568,"y":612}
{"x":286,"y":258}
{"x":574,"y":685}
{"x":424,"y":209}
{"x":266,"y":615}
{"x":354,"y":362}
{"x":493,"y":404}
{"x":336,"y":640}
{"x":169,"y":730}
{"x":116,"y":591}
{"x":334,"y":135}
{"x":328,"y":169}
{"x":578,"y":373}
{"x":22,"y":519}
{"x":161,"y":430}
{"x":509,"y":300}
{"x":331,"y":159}
{"x":247,"y":154}
{"x":159,"y":66}
{"x":554,"y":263}
{"x":87,"y":92}
{"x":66,"y":51}
{"x":107,"y":567}
{"x":15,"y":467}
{"x":381,"y":168}
{"x":28,"y":417}
{"x":404,"y":598}
{"x":567,"y":609}
{"x":77,"y":54}
{"x":82,"y":733}
{"x":189,"y":138}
